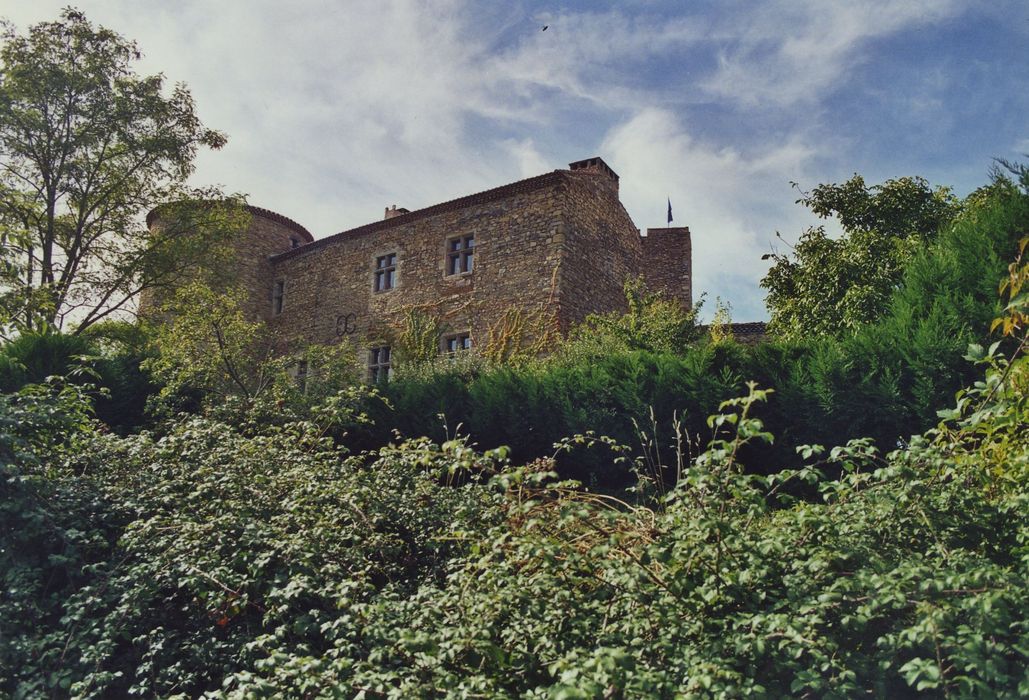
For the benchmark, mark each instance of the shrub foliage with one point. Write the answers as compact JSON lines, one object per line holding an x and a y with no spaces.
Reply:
{"x":266,"y":561}
{"x":249,"y":550}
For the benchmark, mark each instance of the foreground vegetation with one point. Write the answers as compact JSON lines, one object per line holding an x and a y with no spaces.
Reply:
{"x":245,"y":547}
{"x":181,"y":515}
{"x":244,"y":559}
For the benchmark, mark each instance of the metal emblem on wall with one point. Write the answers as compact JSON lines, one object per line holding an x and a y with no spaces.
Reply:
{"x":346,"y":324}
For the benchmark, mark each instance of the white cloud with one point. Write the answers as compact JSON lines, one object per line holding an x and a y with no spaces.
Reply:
{"x":789,"y":51}
{"x":530,"y":161}
{"x":732,"y":201}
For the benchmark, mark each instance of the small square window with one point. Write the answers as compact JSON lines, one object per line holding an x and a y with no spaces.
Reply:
{"x":456,"y":343}
{"x":385,"y":272}
{"x":460,"y":255}
{"x":278,"y":297}
{"x":379,"y":364}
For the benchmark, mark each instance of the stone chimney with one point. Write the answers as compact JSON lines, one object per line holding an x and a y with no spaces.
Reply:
{"x":395,"y":211}
{"x":597,"y":165}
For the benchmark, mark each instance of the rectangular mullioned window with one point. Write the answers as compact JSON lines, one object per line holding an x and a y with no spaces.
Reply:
{"x":385,"y":272}
{"x":461,"y":255}
{"x":453,"y":344}
{"x":380,"y":367}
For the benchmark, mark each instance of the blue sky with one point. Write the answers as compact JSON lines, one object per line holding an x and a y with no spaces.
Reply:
{"x":335,"y":110}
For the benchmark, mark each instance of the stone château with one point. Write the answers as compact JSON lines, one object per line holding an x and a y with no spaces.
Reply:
{"x":559,"y":243}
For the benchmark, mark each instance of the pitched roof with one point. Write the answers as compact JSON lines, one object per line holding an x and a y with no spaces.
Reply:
{"x":520,"y":187}
{"x":256,"y":211}
{"x":280,"y":219}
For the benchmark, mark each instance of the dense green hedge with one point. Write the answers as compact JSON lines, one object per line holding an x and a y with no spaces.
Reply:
{"x":107,"y":358}
{"x":261,"y":561}
{"x":825,"y":392}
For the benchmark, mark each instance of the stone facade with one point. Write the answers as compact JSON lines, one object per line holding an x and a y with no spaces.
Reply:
{"x":268,"y":235}
{"x":668,"y":263}
{"x":559,"y":244}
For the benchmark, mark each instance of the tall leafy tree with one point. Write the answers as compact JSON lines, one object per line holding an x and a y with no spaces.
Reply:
{"x":829,"y":286}
{"x":87,"y":147}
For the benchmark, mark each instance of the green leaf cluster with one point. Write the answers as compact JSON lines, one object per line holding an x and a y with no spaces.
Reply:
{"x":651,"y":322}
{"x":87,"y":147}
{"x":105,"y":359}
{"x":262,"y":559}
{"x":830,"y":286}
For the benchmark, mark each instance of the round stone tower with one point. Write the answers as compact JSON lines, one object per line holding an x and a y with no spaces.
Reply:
{"x":266,"y":234}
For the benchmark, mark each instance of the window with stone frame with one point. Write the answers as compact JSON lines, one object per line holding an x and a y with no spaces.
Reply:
{"x":380,"y":367}
{"x":385,"y":272}
{"x":460,"y":255}
{"x":300,"y":375}
{"x":278,"y":297}
{"x":457,"y":342}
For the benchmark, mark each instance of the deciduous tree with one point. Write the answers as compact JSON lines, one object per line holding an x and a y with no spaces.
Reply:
{"x":830,"y":286}
{"x":87,"y":147}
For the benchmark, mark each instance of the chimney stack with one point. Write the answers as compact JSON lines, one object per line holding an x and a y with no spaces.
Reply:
{"x":395,"y":211}
{"x":597,"y":165}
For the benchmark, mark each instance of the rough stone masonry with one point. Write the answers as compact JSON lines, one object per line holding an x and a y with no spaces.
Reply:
{"x":559,"y":243}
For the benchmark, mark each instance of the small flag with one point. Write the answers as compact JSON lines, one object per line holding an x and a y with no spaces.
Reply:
{"x":669,"y":210}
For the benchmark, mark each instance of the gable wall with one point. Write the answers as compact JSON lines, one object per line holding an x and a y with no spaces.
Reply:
{"x":600,"y":250}
{"x":329,"y":289}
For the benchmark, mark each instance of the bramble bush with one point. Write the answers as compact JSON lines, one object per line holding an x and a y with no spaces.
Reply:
{"x":269,"y":562}
{"x":210,"y":561}
{"x":149,"y":566}
{"x":54,"y":525}
{"x":908,"y":578}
